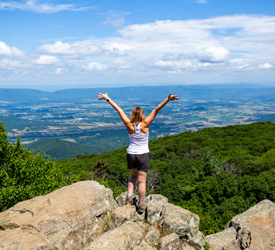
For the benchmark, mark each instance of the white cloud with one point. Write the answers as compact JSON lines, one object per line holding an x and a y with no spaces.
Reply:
{"x":46,"y":60}
{"x":215,"y":55}
{"x":69,"y":49}
{"x":124,"y":67}
{"x":243,"y":67}
{"x":115,"y":18}
{"x":240,"y":61}
{"x":95,"y":66}
{"x":266,"y":66}
{"x":155,"y":50}
{"x":173,"y":64}
{"x":197,"y":1}
{"x":60,"y":71}
{"x":7,"y":51}
{"x":12,"y":64}
{"x":33,"y":6}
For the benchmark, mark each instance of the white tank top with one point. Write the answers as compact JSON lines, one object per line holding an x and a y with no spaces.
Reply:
{"x":138,"y":142}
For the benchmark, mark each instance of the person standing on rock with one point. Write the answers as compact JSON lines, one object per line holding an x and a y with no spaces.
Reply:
{"x":138,"y":158}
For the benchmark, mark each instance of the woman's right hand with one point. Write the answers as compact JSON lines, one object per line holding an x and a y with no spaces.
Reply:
{"x":101,"y":96}
{"x":173,"y":97}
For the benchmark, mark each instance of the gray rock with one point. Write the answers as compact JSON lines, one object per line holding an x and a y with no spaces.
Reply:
{"x":122,"y":214}
{"x":155,"y":204}
{"x":143,"y":224}
{"x":257,"y":225}
{"x":220,"y":240}
{"x":68,"y":218}
{"x":177,"y":220}
{"x":197,"y":241}
{"x":170,"y":242}
{"x":253,"y":230}
{"x":243,"y":241}
{"x":144,"y":246}
{"x":127,"y":236}
{"x":185,"y":246}
{"x":152,"y":236}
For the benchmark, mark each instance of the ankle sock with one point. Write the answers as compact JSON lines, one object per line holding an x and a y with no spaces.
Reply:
{"x":130,"y":194}
{"x":140,"y":202}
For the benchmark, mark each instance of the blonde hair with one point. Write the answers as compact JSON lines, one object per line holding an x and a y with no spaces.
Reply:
{"x":137,"y":115}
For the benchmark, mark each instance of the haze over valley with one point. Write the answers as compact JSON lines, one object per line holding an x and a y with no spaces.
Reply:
{"x":87,"y":125}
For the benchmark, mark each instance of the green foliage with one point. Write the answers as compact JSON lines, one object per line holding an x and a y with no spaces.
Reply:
{"x":58,"y":149}
{"x":106,"y":222}
{"x":24,"y":175}
{"x":207,"y":246}
{"x":216,"y":173}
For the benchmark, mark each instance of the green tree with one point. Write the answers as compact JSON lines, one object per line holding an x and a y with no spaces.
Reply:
{"x":24,"y":175}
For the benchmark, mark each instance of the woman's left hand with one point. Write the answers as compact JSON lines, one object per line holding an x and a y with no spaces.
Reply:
{"x":102,"y":96}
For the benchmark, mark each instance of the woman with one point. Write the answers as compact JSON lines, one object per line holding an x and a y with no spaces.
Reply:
{"x":138,"y":158}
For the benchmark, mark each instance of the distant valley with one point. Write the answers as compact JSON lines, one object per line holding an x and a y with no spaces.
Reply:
{"x":75,"y":122}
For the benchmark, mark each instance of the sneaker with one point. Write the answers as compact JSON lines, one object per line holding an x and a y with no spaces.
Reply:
{"x":141,"y":208}
{"x":129,"y":200}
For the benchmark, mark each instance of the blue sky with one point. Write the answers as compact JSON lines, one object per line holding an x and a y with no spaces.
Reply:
{"x":121,"y":43}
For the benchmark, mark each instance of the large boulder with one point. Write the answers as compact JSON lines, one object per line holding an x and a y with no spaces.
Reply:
{"x":123,"y":214}
{"x":219,"y":240}
{"x":144,"y":246}
{"x":253,"y":230}
{"x":197,"y":241}
{"x":177,"y":220}
{"x":155,"y":204}
{"x":152,"y":236}
{"x":170,"y":242}
{"x":127,"y":236}
{"x":256,"y":226}
{"x":185,"y":246}
{"x":69,"y":218}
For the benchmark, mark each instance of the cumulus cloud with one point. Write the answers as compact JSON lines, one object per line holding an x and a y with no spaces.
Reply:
{"x":221,"y":46}
{"x":69,"y":49}
{"x":215,"y":55}
{"x":33,"y":6}
{"x":46,"y":60}
{"x":266,"y":66}
{"x":6,"y":51}
{"x":95,"y":67}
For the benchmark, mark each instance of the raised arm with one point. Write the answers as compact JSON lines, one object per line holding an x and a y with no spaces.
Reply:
{"x":148,"y":120}
{"x":122,"y":115}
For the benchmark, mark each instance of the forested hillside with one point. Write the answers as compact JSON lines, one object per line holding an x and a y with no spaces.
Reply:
{"x":58,"y":149}
{"x":215,"y":172}
{"x":25,"y":175}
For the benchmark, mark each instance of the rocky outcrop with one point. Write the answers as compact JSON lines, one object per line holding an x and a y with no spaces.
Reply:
{"x":85,"y":216}
{"x":219,"y":240}
{"x":177,"y":220}
{"x":253,"y":230}
{"x":127,"y":236}
{"x":155,"y":206}
{"x":171,"y":241}
{"x":69,"y":218}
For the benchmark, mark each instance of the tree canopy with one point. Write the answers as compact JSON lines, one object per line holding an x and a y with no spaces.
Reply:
{"x":24,"y":175}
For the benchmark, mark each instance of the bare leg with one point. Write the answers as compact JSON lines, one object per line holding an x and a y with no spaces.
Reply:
{"x":141,"y":185}
{"x":132,"y":181}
